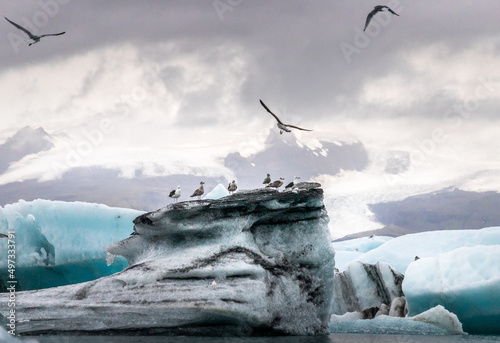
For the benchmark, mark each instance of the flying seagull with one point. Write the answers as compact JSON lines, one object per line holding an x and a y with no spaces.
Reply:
{"x":33,"y":38}
{"x":281,"y":126}
{"x":232,"y":187}
{"x":267,"y":180}
{"x":376,"y":9}
{"x":199,"y":192}
{"x":175,"y":194}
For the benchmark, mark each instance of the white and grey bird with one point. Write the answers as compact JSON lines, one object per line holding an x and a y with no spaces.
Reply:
{"x":232,"y":187}
{"x":283,"y":127}
{"x":199,"y":192}
{"x":293,"y":183}
{"x":175,"y":194}
{"x":375,"y":10}
{"x":213,"y":285}
{"x":276,"y":184}
{"x":267,"y":180}
{"x":33,"y":38}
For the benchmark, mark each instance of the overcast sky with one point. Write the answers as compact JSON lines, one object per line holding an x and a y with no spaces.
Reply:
{"x":171,"y":85}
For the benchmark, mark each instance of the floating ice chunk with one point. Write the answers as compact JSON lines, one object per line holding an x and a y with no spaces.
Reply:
{"x":382,"y":325}
{"x":466,"y":281}
{"x":350,"y":250}
{"x":67,"y":236}
{"x":401,"y":251}
{"x":218,"y":192}
{"x":439,"y":316}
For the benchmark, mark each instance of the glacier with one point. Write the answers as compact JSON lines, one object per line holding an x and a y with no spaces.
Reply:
{"x":256,"y":262}
{"x":59,"y":243}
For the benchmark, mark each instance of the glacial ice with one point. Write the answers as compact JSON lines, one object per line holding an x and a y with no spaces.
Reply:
{"x":218,"y":192}
{"x":466,"y":281}
{"x":459,"y":270}
{"x":435,"y":323}
{"x":399,"y":252}
{"x":350,"y":250}
{"x":272,"y":267}
{"x":363,"y":286}
{"x":58,"y":243}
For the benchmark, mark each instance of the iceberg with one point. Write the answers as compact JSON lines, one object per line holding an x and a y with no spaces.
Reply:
{"x":466,"y":281}
{"x":59,"y":243}
{"x":256,"y":262}
{"x":436,"y":321}
{"x":399,"y":252}
{"x":365,"y":286}
{"x":458,"y":271}
{"x":349,"y":250}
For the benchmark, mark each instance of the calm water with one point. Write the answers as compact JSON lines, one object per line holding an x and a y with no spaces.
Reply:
{"x":334,"y":338}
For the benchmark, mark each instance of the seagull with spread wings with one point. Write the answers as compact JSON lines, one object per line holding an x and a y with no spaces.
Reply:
{"x":281,"y":125}
{"x":375,"y":10}
{"x":33,"y":38}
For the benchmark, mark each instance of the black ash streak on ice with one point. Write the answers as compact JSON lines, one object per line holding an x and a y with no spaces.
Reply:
{"x":276,"y":244}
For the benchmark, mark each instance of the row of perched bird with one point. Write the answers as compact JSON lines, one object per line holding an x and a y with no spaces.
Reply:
{"x":176,"y":193}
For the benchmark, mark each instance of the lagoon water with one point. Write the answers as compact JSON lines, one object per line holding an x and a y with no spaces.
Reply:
{"x":333,"y":338}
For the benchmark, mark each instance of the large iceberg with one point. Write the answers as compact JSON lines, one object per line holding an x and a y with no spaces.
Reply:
{"x":59,"y":243}
{"x":459,"y":270}
{"x":257,"y":262}
{"x":466,"y":281}
{"x":401,"y":251}
{"x":349,"y":250}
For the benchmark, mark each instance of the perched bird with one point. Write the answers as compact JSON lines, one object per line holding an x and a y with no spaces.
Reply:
{"x":281,"y":126}
{"x":33,"y":38}
{"x":232,"y":187}
{"x":175,"y":194}
{"x":267,"y":180}
{"x":416,"y":258}
{"x":375,"y":10}
{"x":3,"y":235}
{"x":276,"y":184}
{"x":293,"y":183}
{"x":213,"y":285}
{"x":199,"y":192}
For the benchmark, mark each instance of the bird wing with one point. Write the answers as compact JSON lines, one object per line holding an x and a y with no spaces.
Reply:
{"x":289,"y":185}
{"x":296,"y":127}
{"x":370,"y":16}
{"x":268,"y":110}
{"x":392,"y":11}
{"x":3,"y":235}
{"x":172,"y":193}
{"x":53,"y":34}
{"x":32,"y":36}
